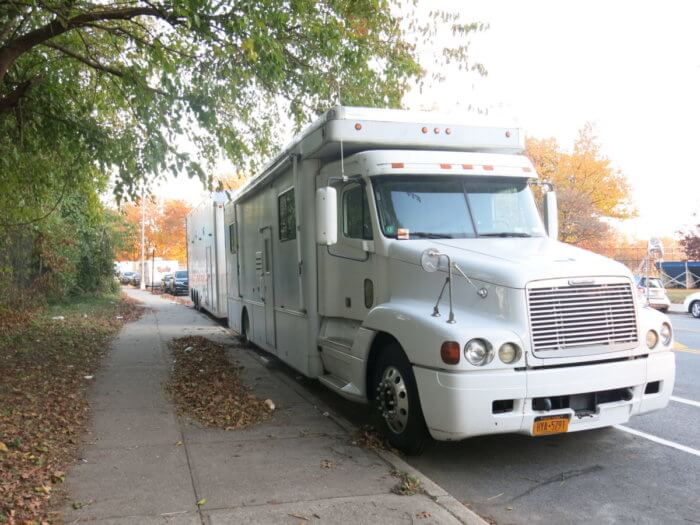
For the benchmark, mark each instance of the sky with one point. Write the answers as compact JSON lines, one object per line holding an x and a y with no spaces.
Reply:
{"x":632,"y":69}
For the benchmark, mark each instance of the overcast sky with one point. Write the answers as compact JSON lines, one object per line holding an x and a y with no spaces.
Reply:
{"x":630,"y":68}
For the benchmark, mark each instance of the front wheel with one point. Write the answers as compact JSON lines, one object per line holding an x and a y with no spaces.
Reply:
{"x":695,"y":309}
{"x":396,"y":397}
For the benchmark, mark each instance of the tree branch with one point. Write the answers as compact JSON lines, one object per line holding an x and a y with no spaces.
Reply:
{"x":15,"y":48}
{"x":10,"y":102}
{"x":94,"y":64}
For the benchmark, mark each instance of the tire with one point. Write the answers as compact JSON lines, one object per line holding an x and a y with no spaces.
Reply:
{"x":245,"y":328}
{"x":395,"y":390}
{"x":695,"y":309}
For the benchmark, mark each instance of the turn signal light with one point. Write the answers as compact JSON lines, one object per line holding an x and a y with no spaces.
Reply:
{"x":450,"y":351}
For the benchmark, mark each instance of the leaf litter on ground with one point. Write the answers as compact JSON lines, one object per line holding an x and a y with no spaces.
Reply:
{"x":206,"y":386}
{"x":43,"y":403}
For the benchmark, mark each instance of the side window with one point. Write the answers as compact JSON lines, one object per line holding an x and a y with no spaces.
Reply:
{"x":232,"y":237}
{"x":287,"y":216}
{"x":356,"y":218}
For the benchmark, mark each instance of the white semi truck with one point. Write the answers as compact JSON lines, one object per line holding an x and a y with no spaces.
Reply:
{"x":206,"y":256}
{"x":400,"y":258}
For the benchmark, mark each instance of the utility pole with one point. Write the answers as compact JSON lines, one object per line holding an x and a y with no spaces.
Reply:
{"x":143,"y":238}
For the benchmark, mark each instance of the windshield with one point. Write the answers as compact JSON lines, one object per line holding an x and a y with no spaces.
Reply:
{"x":653,"y":282}
{"x":456,"y":207}
{"x":180,"y":275}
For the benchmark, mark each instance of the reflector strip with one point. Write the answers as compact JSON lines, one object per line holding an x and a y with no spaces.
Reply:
{"x":488,"y":168}
{"x":467,"y":166}
{"x":446,"y":166}
{"x":397,"y":164}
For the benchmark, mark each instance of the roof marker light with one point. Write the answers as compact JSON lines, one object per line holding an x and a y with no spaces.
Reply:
{"x":448,"y":131}
{"x":436,"y":130}
{"x":358,"y":126}
{"x":488,"y":168}
{"x":446,"y":166}
{"x":467,"y":166}
{"x":397,"y":165}
{"x":508,"y":134}
{"x":424,"y":129}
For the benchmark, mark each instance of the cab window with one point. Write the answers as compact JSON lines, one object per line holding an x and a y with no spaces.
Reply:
{"x":356,"y":219}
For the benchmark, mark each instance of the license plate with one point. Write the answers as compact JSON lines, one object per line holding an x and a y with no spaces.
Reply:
{"x":550,"y":425}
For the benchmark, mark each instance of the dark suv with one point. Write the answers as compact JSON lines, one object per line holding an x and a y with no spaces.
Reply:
{"x":179,"y":283}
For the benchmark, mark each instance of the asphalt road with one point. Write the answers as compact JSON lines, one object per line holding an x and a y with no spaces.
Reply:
{"x":645,"y":472}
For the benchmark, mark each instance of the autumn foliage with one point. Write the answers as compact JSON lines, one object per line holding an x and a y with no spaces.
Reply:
{"x":589,"y":188}
{"x":165,"y":230}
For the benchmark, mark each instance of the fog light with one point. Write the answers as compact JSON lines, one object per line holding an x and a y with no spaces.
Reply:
{"x":666,"y":334}
{"x":652,"y":339}
{"x":478,"y":352}
{"x":509,"y":353}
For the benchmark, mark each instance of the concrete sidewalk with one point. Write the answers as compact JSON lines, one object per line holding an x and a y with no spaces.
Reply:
{"x":143,"y":464}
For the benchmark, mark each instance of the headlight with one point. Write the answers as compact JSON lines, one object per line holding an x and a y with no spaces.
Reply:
{"x":478,"y":352}
{"x":652,"y":339}
{"x":666,"y":334}
{"x":509,"y":353}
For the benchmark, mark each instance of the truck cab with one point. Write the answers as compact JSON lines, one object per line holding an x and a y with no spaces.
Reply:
{"x":403,"y":261}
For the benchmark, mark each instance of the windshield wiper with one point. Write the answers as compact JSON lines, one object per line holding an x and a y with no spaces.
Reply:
{"x":505,"y":234}
{"x":429,"y":235}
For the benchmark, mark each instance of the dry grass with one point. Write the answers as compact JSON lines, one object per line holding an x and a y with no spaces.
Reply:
{"x":678,"y":295}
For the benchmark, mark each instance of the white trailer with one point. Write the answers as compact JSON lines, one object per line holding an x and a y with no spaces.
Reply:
{"x":206,"y":257}
{"x":417,"y":274}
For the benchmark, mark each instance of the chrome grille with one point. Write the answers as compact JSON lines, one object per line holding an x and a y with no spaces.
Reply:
{"x":575,"y":316}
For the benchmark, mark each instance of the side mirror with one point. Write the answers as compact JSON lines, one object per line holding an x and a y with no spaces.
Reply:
{"x":551,"y":215}
{"x":326,"y":216}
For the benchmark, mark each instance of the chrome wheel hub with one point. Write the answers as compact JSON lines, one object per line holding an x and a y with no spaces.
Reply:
{"x":392,"y":399}
{"x":696,"y":308}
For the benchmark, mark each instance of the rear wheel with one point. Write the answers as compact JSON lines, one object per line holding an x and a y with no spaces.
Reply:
{"x":245,"y":328}
{"x":396,"y":397}
{"x":695,"y":309}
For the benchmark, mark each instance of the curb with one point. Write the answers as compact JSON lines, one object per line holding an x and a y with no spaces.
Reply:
{"x":434,"y":491}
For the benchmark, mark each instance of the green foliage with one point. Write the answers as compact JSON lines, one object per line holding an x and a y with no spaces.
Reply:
{"x":117,"y":85}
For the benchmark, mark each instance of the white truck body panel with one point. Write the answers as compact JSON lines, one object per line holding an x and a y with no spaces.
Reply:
{"x":206,"y":256}
{"x":326,"y":310}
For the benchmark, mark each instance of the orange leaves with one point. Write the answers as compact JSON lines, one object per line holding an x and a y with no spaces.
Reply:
{"x":588,"y":186}
{"x":164,"y":232}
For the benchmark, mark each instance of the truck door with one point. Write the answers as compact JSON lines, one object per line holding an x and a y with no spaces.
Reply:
{"x":267,"y":291}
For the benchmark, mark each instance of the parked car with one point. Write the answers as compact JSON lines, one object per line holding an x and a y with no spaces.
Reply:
{"x":692,"y":304}
{"x":164,"y":281}
{"x":125,"y":277}
{"x":179,"y":283}
{"x":135,"y":279}
{"x":658,"y":298}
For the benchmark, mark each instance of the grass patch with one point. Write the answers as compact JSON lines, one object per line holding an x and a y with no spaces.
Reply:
{"x":207,"y":387}
{"x":408,"y":485}
{"x":678,"y":295}
{"x":45,"y":356}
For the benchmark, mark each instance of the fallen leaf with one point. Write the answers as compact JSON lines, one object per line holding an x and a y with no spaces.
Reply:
{"x":327,"y":464}
{"x":201,"y":502}
{"x":299,"y":516}
{"x":423,"y":514}
{"x":509,"y":507}
{"x":270,"y":404}
{"x":3,"y":447}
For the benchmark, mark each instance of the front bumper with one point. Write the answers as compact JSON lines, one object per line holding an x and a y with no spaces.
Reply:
{"x":460,"y":405}
{"x":181,"y":288}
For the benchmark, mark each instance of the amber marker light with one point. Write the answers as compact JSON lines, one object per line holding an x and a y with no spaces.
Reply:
{"x":358,"y":126}
{"x":424,"y":129}
{"x":398,"y":165}
{"x":450,"y":352}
